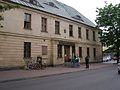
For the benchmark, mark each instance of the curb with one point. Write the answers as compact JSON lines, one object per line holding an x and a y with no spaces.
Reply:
{"x":20,"y":79}
{"x":26,"y":78}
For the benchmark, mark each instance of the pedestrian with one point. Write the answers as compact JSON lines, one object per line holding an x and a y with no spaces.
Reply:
{"x":87,"y":61}
{"x":78,"y":61}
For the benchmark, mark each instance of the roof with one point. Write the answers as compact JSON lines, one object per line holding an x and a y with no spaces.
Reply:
{"x":56,"y":8}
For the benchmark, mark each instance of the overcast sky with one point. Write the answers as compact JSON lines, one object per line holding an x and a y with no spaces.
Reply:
{"x":88,"y":7}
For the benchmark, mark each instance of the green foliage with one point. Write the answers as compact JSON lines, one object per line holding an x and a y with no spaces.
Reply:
{"x":108,"y":18}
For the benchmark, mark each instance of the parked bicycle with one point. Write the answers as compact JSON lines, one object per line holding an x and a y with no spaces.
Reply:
{"x":32,"y":63}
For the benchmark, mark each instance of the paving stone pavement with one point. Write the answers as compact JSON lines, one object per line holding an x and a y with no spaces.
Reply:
{"x":14,"y":75}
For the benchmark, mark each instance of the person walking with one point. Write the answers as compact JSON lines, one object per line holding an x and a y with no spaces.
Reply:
{"x":78,"y":60}
{"x":87,"y":61}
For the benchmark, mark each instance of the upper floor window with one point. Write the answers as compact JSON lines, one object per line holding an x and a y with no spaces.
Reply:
{"x":44,"y":24}
{"x":71,"y":30}
{"x":87,"y":34}
{"x":27,"y":21}
{"x":57,"y":27}
{"x":94,"y":39}
{"x":79,"y":32}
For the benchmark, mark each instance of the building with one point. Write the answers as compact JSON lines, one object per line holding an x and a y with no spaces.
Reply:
{"x":47,"y":28}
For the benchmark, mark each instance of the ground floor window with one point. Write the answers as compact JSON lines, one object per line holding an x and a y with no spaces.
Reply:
{"x":27,"y":49}
{"x":94,"y":52}
{"x":44,"y":50}
{"x":80,"y":51}
{"x":59,"y":51}
{"x":88,"y":51}
{"x":73,"y":50}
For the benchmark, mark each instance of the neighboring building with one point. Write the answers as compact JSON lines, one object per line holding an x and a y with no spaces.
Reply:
{"x":47,"y":28}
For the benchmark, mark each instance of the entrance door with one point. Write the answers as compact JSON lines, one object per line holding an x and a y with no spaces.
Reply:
{"x":66,"y":52}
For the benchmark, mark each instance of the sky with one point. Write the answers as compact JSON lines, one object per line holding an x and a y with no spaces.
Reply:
{"x":88,"y":7}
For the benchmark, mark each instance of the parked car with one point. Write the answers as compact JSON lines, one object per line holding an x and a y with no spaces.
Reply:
{"x":107,"y":58}
{"x":118,"y":68}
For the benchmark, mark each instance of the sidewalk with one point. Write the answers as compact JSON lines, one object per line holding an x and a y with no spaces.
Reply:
{"x":14,"y":75}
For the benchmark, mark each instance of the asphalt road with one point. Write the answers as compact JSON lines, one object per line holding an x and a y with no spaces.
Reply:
{"x":99,"y":79}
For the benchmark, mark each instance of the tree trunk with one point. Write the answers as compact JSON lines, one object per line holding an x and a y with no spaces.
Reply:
{"x":118,"y":53}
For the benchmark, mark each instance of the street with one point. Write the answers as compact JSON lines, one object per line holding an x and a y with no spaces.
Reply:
{"x":105,"y":78}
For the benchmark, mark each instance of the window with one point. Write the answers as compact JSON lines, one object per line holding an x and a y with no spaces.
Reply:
{"x":44,"y":24}
{"x":57,"y":27}
{"x":59,"y":51}
{"x":79,"y":32}
{"x":64,"y":30}
{"x":94,"y":52}
{"x":27,"y":49}
{"x":71,"y":30}
{"x":87,"y":34}
{"x":27,"y":21}
{"x":73,"y":50}
{"x":78,"y":17}
{"x":34,"y":2}
{"x":51,"y":4}
{"x":94,"y":36}
{"x":88,"y":52}
{"x":44,"y":50}
{"x":80,"y":51}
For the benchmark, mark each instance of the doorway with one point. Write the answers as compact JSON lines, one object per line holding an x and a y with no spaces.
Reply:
{"x":66,"y":52}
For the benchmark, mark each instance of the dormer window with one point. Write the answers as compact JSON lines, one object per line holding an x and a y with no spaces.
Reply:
{"x":34,"y":2}
{"x":51,"y":4}
{"x":78,"y":17}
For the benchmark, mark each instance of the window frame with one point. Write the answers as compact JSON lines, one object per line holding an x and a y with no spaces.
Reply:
{"x":44,"y":50}
{"x":71,"y":30}
{"x":88,"y":51}
{"x":87,"y":34}
{"x":94,"y":52}
{"x":43,"y":24}
{"x":59,"y":51}
{"x":80,"y":52}
{"x":79,"y":32}
{"x":27,"y":49}
{"x":57,"y":27}
{"x":27,"y":21}
{"x":94,"y":36}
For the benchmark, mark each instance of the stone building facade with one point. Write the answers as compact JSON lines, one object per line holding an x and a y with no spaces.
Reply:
{"x":46,"y":28}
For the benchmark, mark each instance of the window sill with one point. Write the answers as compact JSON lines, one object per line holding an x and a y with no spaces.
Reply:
{"x":57,"y":34}
{"x":28,"y":28}
{"x":44,"y":31}
{"x":59,"y":57}
{"x":80,"y":37}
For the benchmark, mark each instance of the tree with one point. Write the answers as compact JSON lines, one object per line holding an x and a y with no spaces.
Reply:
{"x":108,"y":18}
{"x":5,"y":6}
